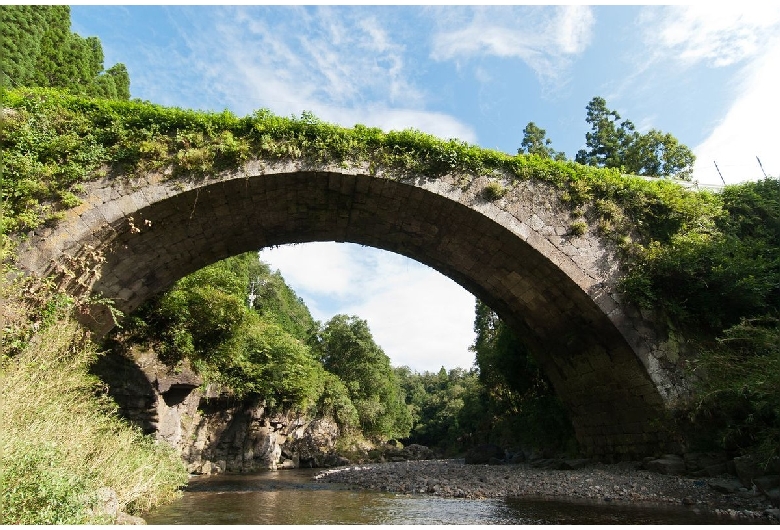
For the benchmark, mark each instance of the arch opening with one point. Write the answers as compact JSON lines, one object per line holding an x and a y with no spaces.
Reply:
{"x":613,"y":402}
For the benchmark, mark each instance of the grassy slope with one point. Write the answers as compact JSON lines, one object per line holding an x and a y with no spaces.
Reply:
{"x":62,"y":446}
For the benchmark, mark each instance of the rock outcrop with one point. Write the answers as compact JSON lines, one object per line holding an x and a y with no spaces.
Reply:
{"x":212,"y":430}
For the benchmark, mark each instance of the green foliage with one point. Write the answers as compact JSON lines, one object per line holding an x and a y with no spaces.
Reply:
{"x":493,"y":191}
{"x":38,"y":49}
{"x":535,"y":142}
{"x":258,"y":351}
{"x":262,"y":359}
{"x":723,"y":267}
{"x":440,"y":405}
{"x":348,"y":351}
{"x":658,"y":154}
{"x":578,"y":228}
{"x":738,"y":398}
{"x":62,"y":443}
{"x":617,"y":144}
{"x":335,"y":402}
{"x":37,"y":490}
{"x":22,"y":30}
{"x":520,"y":401}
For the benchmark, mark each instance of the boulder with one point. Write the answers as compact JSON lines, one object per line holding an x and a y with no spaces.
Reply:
{"x":747,"y":468}
{"x":334,"y":460}
{"x":516,"y":458}
{"x":482,"y":454}
{"x":725,"y":485}
{"x":774,"y":497}
{"x":710,"y":464}
{"x":418,"y":452}
{"x":575,"y":463}
{"x":667,"y":465}
{"x":769,"y":485}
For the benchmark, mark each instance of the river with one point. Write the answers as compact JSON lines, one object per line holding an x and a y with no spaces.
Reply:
{"x":293,"y":497}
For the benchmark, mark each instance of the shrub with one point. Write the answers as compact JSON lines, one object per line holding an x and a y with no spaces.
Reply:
{"x":493,"y":191}
{"x":578,"y":228}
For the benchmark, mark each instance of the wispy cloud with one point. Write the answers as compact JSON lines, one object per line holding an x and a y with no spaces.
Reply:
{"x":546,"y":39}
{"x":419,"y":317}
{"x":749,"y":128}
{"x":744,"y":37}
{"x":343,"y":64}
{"x":719,"y":35}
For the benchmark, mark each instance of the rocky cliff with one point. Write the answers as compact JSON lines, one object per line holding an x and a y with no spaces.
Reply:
{"x":213,"y":431}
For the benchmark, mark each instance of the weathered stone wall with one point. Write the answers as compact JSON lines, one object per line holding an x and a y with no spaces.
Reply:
{"x":212,"y":431}
{"x":616,"y":369}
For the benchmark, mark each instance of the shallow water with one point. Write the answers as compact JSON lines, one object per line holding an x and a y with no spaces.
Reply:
{"x":293,"y":497}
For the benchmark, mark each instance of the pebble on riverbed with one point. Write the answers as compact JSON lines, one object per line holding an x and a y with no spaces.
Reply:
{"x":597,"y":482}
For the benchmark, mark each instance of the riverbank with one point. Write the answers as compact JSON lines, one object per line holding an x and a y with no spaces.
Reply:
{"x":617,"y":483}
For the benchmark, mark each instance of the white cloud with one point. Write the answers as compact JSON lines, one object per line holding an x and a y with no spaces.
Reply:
{"x":748,"y":130}
{"x":574,"y":28}
{"x":544,"y":38}
{"x":419,"y":317}
{"x":718,"y":35}
{"x":342,"y":65}
{"x":744,"y":37}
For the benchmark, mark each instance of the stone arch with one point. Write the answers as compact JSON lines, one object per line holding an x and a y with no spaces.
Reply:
{"x":516,"y":254}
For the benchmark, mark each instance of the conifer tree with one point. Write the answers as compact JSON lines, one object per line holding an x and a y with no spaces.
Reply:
{"x":38,"y":49}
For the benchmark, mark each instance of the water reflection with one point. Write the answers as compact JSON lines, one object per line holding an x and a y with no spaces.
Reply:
{"x":292,"y":497}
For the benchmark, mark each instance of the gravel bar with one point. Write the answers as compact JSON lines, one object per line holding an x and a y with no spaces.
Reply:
{"x":597,"y":482}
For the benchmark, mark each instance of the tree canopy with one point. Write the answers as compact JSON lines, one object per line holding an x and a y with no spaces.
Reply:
{"x":615,"y":143}
{"x":347,"y":350}
{"x":38,"y":49}
{"x":535,"y":142}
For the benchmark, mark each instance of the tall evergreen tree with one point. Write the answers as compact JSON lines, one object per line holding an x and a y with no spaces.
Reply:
{"x":38,"y":49}
{"x":535,"y":142}
{"x":613,"y":142}
{"x":21,"y":32}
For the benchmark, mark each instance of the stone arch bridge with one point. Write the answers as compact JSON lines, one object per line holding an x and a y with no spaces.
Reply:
{"x":614,"y":369}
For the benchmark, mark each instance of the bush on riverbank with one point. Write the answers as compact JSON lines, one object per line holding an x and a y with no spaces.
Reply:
{"x":62,"y":447}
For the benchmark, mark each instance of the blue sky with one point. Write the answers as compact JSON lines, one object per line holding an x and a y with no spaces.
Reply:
{"x":705,"y":73}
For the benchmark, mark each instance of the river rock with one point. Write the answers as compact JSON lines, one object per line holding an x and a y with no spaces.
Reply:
{"x":127,"y":519}
{"x":767,"y":482}
{"x":620,"y":483}
{"x":774,"y":496}
{"x":667,"y":465}
{"x":575,"y":463}
{"x":418,"y":452}
{"x":725,"y":485}
{"x":748,"y":468}
{"x":106,"y":503}
{"x":482,"y":454}
{"x":710,"y":464}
